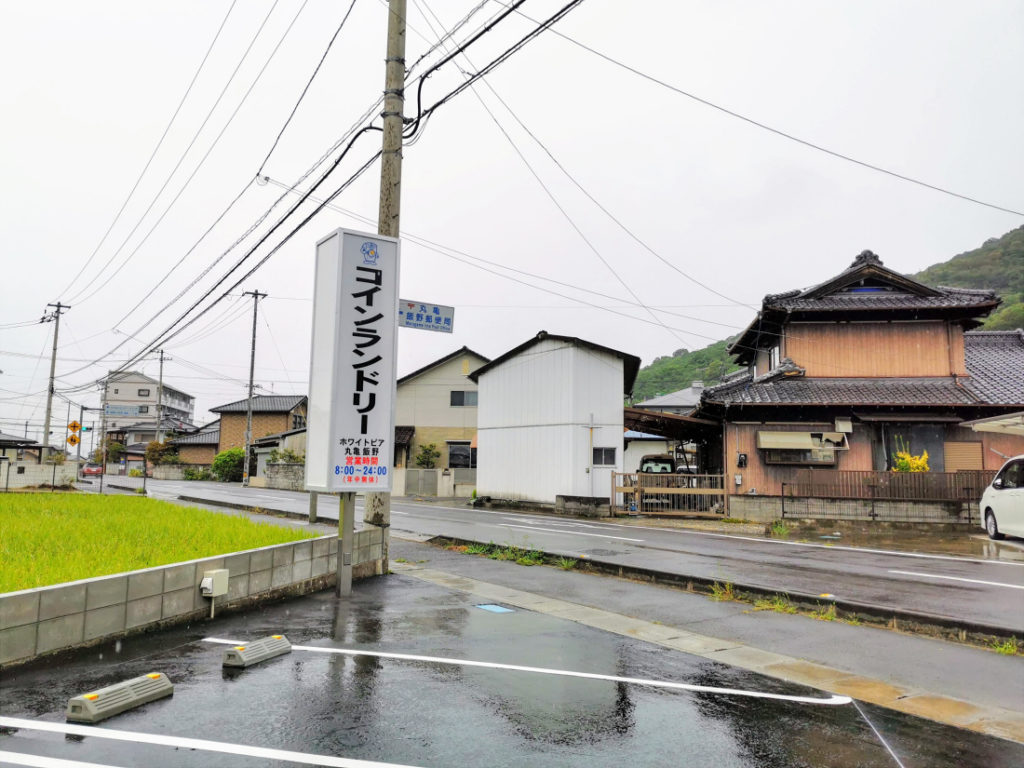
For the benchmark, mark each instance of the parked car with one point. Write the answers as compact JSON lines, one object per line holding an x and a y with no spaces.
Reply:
{"x":1002,"y":503}
{"x":92,"y":469}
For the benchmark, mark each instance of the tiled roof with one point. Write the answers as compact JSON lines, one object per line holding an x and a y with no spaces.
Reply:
{"x":948,"y":298}
{"x":262,"y":404}
{"x":208,"y":437}
{"x":995,"y":360}
{"x":683,"y":398}
{"x":995,"y":364}
{"x":852,"y":391}
{"x":403,"y":435}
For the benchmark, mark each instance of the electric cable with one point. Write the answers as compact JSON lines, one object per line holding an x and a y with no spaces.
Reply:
{"x":152,"y":155}
{"x":181,"y":159}
{"x":765,"y":126}
{"x":308,"y":84}
{"x":561,"y":209}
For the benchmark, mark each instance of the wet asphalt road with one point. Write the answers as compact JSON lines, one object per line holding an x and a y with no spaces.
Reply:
{"x":429,"y":714}
{"x":967,"y":589}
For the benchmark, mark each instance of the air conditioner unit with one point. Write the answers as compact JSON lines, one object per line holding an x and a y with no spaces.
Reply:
{"x":844,"y":425}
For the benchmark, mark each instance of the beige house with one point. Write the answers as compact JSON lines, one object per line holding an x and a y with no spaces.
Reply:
{"x":438,"y":404}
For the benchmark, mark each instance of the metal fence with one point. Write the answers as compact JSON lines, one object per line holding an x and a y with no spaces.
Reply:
{"x":924,"y":497}
{"x":670,"y":495}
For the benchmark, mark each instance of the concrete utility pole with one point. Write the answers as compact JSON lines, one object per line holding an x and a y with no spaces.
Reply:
{"x":160,"y":401}
{"x":256,"y":296}
{"x":377,"y":509}
{"x":55,"y":317}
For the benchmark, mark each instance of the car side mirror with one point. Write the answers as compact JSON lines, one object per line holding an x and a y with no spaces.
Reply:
{"x":997,"y":483}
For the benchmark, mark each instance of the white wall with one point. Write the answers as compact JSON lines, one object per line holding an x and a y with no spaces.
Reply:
{"x":425,"y":401}
{"x":534,"y":423}
{"x":637,"y":449}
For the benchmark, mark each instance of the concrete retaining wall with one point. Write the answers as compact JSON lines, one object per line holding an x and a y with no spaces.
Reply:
{"x":27,"y":473}
{"x":286,"y":477}
{"x":37,"y":622}
{"x":768,"y":508}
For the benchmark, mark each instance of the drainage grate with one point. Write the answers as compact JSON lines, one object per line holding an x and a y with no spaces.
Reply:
{"x":496,"y":608}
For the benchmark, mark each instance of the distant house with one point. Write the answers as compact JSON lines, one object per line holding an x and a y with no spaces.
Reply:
{"x":146,"y":431}
{"x":199,"y":446}
{"x":550,"y":420}
{"x":270,"y":414}
{"x":134,"y":394}
{"x":438,"y":404}
{"x":683,"y":401}
{"x":842,"y":375}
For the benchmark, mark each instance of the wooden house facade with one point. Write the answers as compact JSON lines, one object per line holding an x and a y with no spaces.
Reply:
{"x":843,"y":375}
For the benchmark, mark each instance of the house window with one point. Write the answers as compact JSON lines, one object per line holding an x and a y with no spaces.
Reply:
{"x":464,"y":398}
{"x":143,"y":393}
{"x":604,"y":457}
{"x":773,"y":358}
{"x":116,"y":390}
{"x":298,"y":421}
{"x":143,"y":409}
{"x":461,"y":456}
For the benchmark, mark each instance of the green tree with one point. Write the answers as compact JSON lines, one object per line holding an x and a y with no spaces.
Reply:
{"x":115,"y":451}
{"x":428,"y":456}
{"x":228,"y":465}
{"x":286,"y":456}
{"x":161,"y":453}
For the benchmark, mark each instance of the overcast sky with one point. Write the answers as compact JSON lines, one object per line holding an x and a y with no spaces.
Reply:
{"x":931,"y":90}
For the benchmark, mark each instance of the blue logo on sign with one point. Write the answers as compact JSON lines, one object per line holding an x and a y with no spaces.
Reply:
{"x":370,"y":253}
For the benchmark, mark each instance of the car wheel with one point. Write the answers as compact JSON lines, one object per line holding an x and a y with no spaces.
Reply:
{"x":990,"y":525}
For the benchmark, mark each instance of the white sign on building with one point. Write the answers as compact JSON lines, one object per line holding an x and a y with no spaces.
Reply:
{"x":425,"y":316}
{"x":120,"y":410}
{"x":350,"y":431}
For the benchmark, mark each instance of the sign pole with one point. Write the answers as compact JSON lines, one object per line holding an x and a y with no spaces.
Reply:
{"x":346,"y":533}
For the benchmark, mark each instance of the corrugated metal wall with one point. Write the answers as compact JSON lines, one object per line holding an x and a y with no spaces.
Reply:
{"x":534,"y":423}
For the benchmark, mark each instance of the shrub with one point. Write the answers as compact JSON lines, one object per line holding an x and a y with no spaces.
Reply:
{"x":227,"y":465}
{"x":197,"y":473}
{"x":286,"y":456}
{"x":428,"y":456}
{"x":134,"y":473}
{"x":904,"y":461}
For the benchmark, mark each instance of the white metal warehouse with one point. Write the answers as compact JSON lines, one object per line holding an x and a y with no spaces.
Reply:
{"x":550,"y":420}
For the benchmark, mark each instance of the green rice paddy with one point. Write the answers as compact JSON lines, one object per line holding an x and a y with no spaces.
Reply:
{"x":50,"y":538}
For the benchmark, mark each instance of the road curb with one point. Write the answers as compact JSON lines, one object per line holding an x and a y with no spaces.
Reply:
{"x":898,"y":619}
{"x":249,"y":508}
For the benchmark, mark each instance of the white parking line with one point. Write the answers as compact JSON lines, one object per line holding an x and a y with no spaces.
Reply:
{"x":180,"y":742}
{"x":957,"y":578}
{"x":832,"y":700}
{"x":568,"y":533}
{"x":42,"y":761}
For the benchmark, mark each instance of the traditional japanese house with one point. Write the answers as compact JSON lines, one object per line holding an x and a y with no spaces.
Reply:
{"x":843,"y":375}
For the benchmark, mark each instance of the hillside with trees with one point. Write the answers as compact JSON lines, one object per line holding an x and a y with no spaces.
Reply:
{"x":998,"y":264}
{"x":681,"y":368}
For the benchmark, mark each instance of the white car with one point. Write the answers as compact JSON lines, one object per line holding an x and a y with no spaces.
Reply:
{"x":1002,"y":503}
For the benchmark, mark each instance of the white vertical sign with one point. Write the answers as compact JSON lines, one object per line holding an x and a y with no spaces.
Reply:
{"x":350,"y":431}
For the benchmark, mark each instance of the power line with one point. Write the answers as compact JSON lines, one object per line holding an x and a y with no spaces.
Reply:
{"x":765,"y":126}
{"x":173,"y":330}
{"x":561,"y":209}
{"x":152,"y":155}
{"x":202,"y":160}
{"x":308,"y":84}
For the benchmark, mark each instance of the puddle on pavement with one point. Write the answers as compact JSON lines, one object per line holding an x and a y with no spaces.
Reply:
{"x":430,"y":714}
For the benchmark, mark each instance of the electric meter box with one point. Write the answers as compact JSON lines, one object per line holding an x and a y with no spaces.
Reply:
{"x":214,"y":583}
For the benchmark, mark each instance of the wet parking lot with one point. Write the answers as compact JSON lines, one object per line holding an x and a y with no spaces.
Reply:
{"x":326,"y":706}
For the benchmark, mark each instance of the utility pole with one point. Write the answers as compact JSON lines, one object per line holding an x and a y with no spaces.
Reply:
{"x":256,"y":296}
{"x":55,"y":317}
{"x":160,"y":400}
{"x":377,"y":508}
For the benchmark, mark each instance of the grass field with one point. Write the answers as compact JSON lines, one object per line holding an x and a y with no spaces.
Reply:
{"x":52,"y":538}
